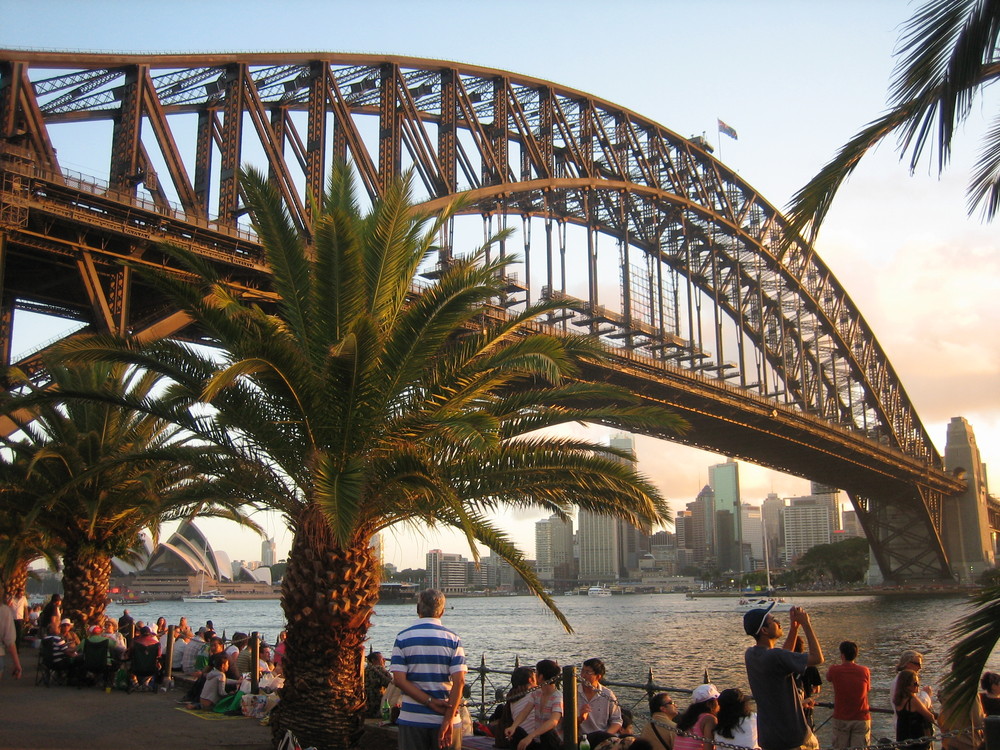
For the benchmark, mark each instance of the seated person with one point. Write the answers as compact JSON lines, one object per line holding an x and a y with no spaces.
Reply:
{"x":118,"y":643}
{"x":68,"y":634}
{"x":377,"y":679}
{"x":214,"y":687}
{"x":537,"y":723}
{"x":599,"y":715}
{"x":62,"y":655}
{"x":661,"y":730}
{"x":215,"y":647}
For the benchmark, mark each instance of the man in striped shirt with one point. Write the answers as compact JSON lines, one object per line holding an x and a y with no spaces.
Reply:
{"x":428,"y":666}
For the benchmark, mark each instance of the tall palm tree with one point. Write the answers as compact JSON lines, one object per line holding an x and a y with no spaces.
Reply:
{"x":89,"y":475}
{"x":948,"y":55}
{"x":368,"y":402}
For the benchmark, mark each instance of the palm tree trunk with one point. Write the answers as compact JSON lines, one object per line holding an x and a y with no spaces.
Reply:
{"x":86,"y":576}
{"x":16,"y":580}
{"x":328,"y":595}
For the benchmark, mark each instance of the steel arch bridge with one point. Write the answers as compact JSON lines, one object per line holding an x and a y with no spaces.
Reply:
{"x":684,"y":272}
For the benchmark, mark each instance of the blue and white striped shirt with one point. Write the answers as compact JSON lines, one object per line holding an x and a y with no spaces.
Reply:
{"x":429,"y":654}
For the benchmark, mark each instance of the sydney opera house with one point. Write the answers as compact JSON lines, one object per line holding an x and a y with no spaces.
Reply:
{"x":186,"y":564}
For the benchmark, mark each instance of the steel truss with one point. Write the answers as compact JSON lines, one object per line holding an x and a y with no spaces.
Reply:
{"x":708,"y":284}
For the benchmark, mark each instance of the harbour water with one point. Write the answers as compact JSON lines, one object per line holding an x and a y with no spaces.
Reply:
{"x":676,"y":637}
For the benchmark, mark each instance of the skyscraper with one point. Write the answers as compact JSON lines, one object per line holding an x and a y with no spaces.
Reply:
{"x":807,"y":523}
{"x":752,"y":523}
{"x":772,"y":513}
{"x":267,"y":552}
{"x":554,"y":549}
{"x":724,"y":479}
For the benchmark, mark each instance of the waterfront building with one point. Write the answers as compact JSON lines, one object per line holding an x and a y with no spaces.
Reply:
{"x":599,"y":553}
{"x":807,"y":523}
{"x":965,"y":526}
{"x":268,"y":551}
{"x":447,"y":572}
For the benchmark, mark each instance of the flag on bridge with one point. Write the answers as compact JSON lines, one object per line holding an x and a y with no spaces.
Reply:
{"x":728,"y":130}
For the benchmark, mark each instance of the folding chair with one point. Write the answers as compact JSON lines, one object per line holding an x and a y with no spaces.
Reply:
{"x":50,"y":671}
{"x":144,"y":667}
{"x":97,"y":662}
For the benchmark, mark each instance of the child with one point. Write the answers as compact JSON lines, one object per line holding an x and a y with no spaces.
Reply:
{"x":539,"y":720}
{"x":699,"y":719}
{"x":215,"y":682}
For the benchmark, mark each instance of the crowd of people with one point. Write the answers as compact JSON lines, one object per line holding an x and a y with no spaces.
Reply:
{"x":215,"y":669}
{"x":421,"y":689}
{"x":783,"y":669}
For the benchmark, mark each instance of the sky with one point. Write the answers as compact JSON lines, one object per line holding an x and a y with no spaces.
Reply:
{"x":794,"y":79}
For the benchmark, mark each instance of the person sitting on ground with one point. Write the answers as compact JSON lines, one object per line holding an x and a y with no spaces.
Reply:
{"x":279,"y":649}
{"x":599,"y":714}
{"x":214,"y":646}
{"x":522,"y":679}
{"x":538,"y":723}
{"x":737,"y":723}
{"x":661,"y":730}
{"x":184,"y":636}
{"x":191,"y":651}
{"x":913,"y":719}
{"x":214,"y":686}
{"x":160,"y":629}
{"x":237,"y":645}
{"x":377,"y":679}
{"x":990,"y":697}
{"x":699,"y":720}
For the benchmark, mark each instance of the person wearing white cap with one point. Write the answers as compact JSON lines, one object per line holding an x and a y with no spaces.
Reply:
{"x":781,"y":720}
{"x":700,"y":720}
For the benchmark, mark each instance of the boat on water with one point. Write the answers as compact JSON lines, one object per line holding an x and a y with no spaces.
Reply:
{"x":208,"y":597}
{"x":780,"y":605}
{"x":598,"y":591}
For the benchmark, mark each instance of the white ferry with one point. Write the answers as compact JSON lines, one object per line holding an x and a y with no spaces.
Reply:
{"x":598,"y":591}
{"x":209,"y":597}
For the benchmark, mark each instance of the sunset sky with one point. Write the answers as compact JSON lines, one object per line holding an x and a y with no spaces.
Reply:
{"x":794,"y":79}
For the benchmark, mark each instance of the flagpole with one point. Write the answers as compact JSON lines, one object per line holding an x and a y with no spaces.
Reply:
{"x":718,"y":136}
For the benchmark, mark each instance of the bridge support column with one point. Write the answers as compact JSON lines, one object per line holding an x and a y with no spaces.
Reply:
{"x":965,"y":524}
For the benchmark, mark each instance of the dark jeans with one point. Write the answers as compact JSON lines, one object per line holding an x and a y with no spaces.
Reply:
{"x":550,"y":740}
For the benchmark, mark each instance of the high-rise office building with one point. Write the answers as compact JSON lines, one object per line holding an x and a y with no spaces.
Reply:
{"x":852,"y":526}
{"x":701,"y":524}
{"x":267,"y":552}
{"x":554,"y":550}
{"x":447,"y":572}
{"x":724,"y":479}
{"x":752,"y":523}
{"x":831,"y":496}
{"x":807,"y":523}
{"x":599,"y":551}
{"x":772,"y":512}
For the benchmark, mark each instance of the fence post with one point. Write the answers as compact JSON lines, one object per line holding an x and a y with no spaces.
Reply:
{"x":168,"y":680}
{"x":254,"y":662}
{"x":992,"y":732}
{"x":569,"y":708}
{"x":482,"y":689}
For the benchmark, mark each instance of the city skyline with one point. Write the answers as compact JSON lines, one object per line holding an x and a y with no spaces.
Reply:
{"x":795,"y":80}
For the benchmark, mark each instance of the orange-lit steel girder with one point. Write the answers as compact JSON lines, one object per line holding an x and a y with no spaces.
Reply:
{"x":514,"y":145}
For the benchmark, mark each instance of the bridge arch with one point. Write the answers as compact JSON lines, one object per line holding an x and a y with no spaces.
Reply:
{"x":694,"y":240}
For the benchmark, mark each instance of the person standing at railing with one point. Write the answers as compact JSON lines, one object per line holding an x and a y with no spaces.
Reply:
{"x":852,"y":720}
{"x":428,"y":666}
{"x":781,"y":719}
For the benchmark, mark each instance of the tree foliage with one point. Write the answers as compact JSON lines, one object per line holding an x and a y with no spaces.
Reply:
{"x":845,"y":561}
{"x":366,"y":397}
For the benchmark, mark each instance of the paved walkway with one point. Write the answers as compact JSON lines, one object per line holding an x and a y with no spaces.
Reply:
{"x":68,"y":718}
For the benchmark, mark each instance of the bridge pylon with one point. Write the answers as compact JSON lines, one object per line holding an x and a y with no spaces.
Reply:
{"x":965,"y":524}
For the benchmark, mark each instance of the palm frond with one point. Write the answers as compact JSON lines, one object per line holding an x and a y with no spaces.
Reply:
{"x":978,"y":634}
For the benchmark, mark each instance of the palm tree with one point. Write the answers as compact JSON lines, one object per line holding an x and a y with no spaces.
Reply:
{"x":89,"y":475}
{"x":948,"y":57}
{"x":368,"y":403}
